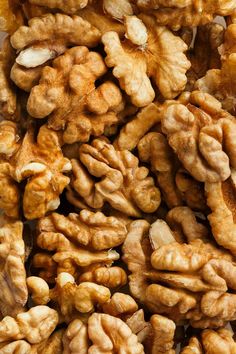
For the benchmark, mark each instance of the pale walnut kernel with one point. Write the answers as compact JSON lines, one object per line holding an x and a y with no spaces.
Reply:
{"x":35,"y":325}
{"x":123,"y":184}
{"x":133,"y":65}
{"x":202,"y":135}
{"x":66,"y":94}
{"x":12,"y":270}
{"x":220,"y":199}
{"x":112,"y":277}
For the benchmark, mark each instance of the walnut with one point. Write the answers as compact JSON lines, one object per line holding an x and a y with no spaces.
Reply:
{"x":133,"y":65}
{"x":220,"y":199}
{"x":15,"y":347}
{"x":75,"y":339}
{"x":78,"y":240}
{"x":12,"y":270}
{"x":120,"y":305}
{"x":39,"y":290}
{"x":205,"y":55}
{"x":219,"y":82}
{"x":201,"y":134}
{"x":66,"y":95}
{"x":51,"y":345}
{"x":193,"y":14}
{"x":124,"y":185}
{"x":35,"y":325}
{"x":44,"y":163}
{"x":8,"y":100}
{"x":112,"y":277}
{"x":68,"y":7}
{"x":131,"y":133}
{"x":120,"y":339}
{"x":50,"y":35}
{"x":46,"y":267}
{"x":212,"y":342}
{"x":26,"y":78}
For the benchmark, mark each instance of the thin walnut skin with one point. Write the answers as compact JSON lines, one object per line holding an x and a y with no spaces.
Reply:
{"x":123,"y":184}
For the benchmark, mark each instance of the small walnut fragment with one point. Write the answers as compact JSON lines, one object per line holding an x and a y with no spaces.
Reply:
{"x":112,"y":277}
{"x":123,"y":184}
{"x":134,"y":64}
{"x":50,"y":35}
{"x":221,"y":200}
{"x":35,"y":325}
{"x":12,"y":270}
{"x":66,"y":94}
{"x":202,"y":135}
{"x":120,"y":305}
{"x":8,"y":99}
{"x":15,"y":347}
{"x":211,"y":342}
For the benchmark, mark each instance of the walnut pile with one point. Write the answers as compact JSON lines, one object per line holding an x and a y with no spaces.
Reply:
{"x":118,"y":177}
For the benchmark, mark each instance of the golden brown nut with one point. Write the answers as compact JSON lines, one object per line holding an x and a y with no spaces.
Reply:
{"x":75,"y":339}
{"x":221,"y":200}
{"x":120,"y":305}
{"x":112,"y":277}
{"x":220,"y":82}
{"x":193,"y":14}
{"x":134,"y":67}
{"x":66,"y":6}
{"x":12,"y":271}
{"x":51,"y":345}
{"x":35,"y":325}
{"x":64,"y":96}
{"x":212,"y":342}
{"x":50,"y":35}
{"x":202,"y":135}
{"x":120,"y":339}
{"x":16,"y":347}
{"x":163,"y":335}
{"x":26,"y":78}
{"x":8,"y":99}
{"x":46,"y":267}
{"x":67,"y":238}
{"x":123,"y":184}
{"x":131,"y":133}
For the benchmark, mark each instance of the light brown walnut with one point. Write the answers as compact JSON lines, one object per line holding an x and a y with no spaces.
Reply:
{"x":122,"y":183}
{"x":112,"y":277}
{"x":66,"y":6}
{"x":133,"y":64}
{"x":202,"y":135}
{"x":120,"y":305}
{"x":50,"y":35}
{"x":12,"y":271}
{"x":66,"y":94}
{"x":211,"y":342}
{"x":35,"y":325}
{"x":8,"y":100}
{"x":221,"y":200}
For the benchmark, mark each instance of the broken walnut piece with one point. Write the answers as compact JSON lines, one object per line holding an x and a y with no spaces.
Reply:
{"x":211,"y":342}
{"x":35,"y":325}
{"x":123,"y":184}
{"x":136,"y":64}
{"x":8,"y":100}
{"x":220,"y":199}
{"x":12,"y":270}
{"x":50,"y":35}
{"x":66,"y":94}
{"x":202,"y":135}
{"x":44,"y":163}
{"x":120,"y":305}
{"x":111,"y":277}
